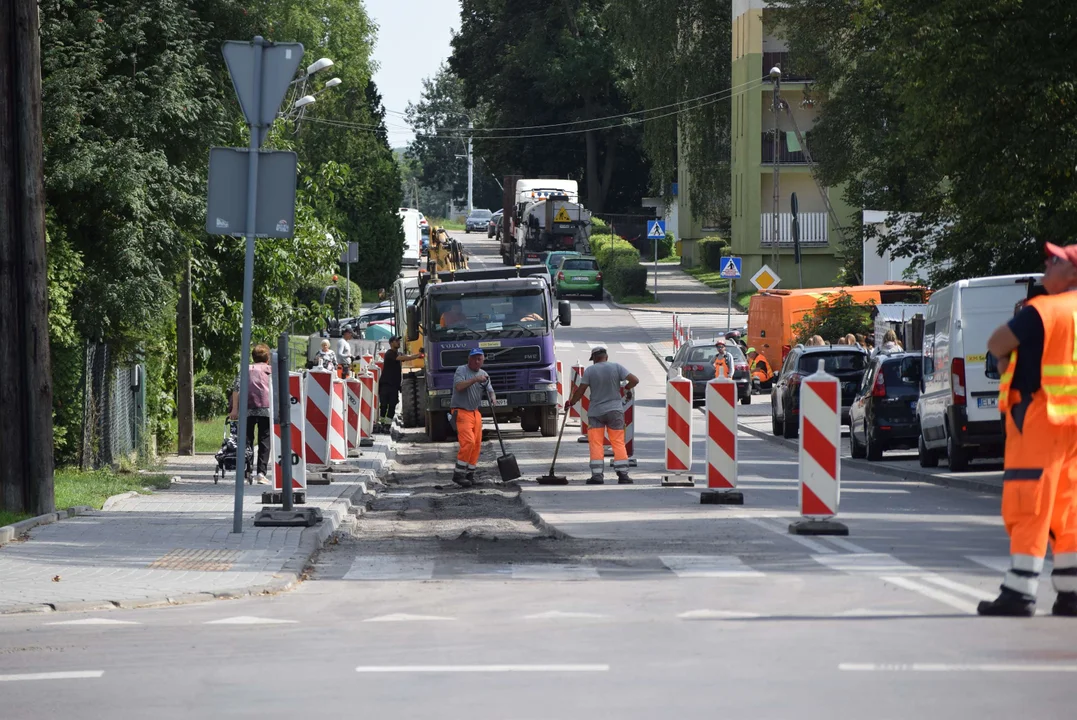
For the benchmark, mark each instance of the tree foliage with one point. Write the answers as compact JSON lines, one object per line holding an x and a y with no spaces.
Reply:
{"x":956,"y":111}
{"x":833,"y":317}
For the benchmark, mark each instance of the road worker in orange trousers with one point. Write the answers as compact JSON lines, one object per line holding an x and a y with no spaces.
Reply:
{"x":470,"y":385}
{"x":1037,"y":358}
{"x":605,"y":412}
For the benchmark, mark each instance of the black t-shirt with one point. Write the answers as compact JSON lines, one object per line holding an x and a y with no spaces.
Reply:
{"x":390,"y":374}
{"x":1027,"y":325}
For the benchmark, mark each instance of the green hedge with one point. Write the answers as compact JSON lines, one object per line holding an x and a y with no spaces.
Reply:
{"x":624,"y":278}
{"x":209,"y":402}
{"x":710,"y":252}
{"x":607,"y":248}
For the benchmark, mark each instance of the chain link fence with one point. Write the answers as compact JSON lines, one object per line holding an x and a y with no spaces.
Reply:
{"x":113,"y":409}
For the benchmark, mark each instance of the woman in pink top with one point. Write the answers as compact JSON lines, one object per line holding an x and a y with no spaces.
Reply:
{"x":258,"y":411}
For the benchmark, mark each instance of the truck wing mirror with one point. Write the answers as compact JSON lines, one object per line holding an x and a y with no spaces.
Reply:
{"x":564,"y":312}
{"x":413,"y":323}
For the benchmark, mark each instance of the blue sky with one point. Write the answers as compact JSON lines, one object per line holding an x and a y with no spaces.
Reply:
{"x":413,"y":40}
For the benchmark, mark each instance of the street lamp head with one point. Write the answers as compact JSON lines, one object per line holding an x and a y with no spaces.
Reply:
{"x":319,"y":65}
{"x":334,"y":82}
{"x":775,"y":73}
{"x":304,"y":101}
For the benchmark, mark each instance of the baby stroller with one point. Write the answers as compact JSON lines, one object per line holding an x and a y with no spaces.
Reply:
{"x":226,"y":456}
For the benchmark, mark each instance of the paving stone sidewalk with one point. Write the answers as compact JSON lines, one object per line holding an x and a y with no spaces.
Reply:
{"x":679,"y":292}
{"x":174,"y":546}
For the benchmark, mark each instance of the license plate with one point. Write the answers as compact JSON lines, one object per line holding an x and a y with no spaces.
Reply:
{"x":987,"y":403}
{"x":581,"y":278}
{"x":500,"y":402}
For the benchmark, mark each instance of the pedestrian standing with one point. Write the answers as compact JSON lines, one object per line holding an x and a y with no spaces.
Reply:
{"x":325,"y":359}
{"x":723,"y":360}
{"x":391,"y":375}
{"x":258,"y":412}
{"x":1037,"y":359}
{"x":890,"y":344}
{"x":344,"y":353}
{"x":470,"y":384}
{"x":605,"y":414}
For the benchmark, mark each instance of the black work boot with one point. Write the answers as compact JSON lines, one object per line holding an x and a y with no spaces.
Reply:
{"x":470,"y":476}
{"x":461,"y":479}
{"x":1065,"y":605}
{"x":595,"y":479}
{"x":622,"y":478}
{"x":1009,"y":603}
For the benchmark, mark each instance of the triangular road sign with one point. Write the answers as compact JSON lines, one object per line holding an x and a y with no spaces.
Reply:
{"x":656,"y":230}
{"x":279,"y":63}
{"x":562,"y":216}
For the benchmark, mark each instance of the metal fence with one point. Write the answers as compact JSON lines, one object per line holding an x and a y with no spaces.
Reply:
{"x":113,"y":409}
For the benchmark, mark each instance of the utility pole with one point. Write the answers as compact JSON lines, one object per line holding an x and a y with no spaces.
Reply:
{"x":776,"y":77}
{"x":26,"y":462}
{"x":470,"y":170}
{"x":185,"y":364}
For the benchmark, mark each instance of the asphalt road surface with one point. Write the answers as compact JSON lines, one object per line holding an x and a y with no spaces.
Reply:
{"x":624,"y":602}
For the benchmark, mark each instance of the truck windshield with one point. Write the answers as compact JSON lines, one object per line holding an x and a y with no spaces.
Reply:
{"x":456,"y":315}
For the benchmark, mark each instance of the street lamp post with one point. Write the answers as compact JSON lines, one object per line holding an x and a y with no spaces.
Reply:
{"x":776,"y":76}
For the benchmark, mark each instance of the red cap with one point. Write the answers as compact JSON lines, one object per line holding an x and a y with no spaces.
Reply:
{"x":1067,"y":253}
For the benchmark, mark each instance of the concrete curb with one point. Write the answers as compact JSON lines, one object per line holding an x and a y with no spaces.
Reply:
{"x":117,"y":498}
{"x":8,"y":533}
{"x":311,"y":540}
{"x":540,"y":522}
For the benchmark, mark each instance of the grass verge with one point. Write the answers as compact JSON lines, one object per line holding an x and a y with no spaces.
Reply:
{"x":647,"y":299}
{"x":710,"y":278}
{"x":447,"y":224}
{"x":207,"y":435}
{"x":671,"y":260}
{"x":77,"y":487}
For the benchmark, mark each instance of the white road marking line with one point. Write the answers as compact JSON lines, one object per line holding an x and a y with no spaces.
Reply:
{"x":479,"y":668}
{"x":930,"y":592}
{"x":553,"y":571}
{"x":560,"y":615}
{"x":630,"y":346}
{"x":812,"y":545}
{"x":563,"y":344}
{"x":708,"y":566}
{"x":957,"y":587}
{"x":998,"y":563}
{"x":575,"y":308}
{"x":865,"y":563}
{"x":717,"y":615}
{"x":249,"y":620}
{"x":946,"y":667}
{"x":404,"y":617}
{"x":390,"y":568}
{"x":601,"y":308}
{"x":95,"y":621}
{"x":846,"y":545}
{"x":67,"y":675}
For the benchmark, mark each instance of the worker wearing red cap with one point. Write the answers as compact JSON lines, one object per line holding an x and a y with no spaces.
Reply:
{"x":1037,"y":358}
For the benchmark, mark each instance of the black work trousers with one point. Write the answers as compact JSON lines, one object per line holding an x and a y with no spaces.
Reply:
{"x":262,"y":423}
{"x":388,"y":396}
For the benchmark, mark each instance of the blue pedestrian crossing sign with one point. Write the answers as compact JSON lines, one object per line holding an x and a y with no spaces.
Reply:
{"x":730,"y":268}
{"x":656,"y":229}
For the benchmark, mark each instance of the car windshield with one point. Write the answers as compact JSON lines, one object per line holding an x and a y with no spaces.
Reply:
{"x":492,"y":312}
{"x":481,"y":214}
{"x":707,"y":353}
{"x":553,"y":259}
{"x":838,"y":362}
{"x":579,"y":264}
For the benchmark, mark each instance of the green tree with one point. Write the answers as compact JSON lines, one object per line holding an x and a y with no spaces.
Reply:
{"x":834,"y":316}
{"x":908,"y":123}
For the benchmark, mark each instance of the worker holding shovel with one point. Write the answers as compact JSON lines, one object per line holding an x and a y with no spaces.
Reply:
{"x":605,"y":414}
{"x":467,"y":396}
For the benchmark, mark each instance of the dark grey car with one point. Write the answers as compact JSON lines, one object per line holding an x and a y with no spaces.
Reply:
{"x":695,"y":360}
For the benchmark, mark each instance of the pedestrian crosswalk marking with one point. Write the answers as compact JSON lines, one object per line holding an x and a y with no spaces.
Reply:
{"x":94,"y":621}
{"x":563,"y":344}
{"x":390,"y":568}
{"x":708,"y":566}
{"x":249,"y":620}
{"x":630,"y":346}
{"x":865,"y":563}
{"x":601,"y":308}
{"x":404,"y":617}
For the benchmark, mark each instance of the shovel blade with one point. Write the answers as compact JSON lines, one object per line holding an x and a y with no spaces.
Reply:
{"x":508,"y":467}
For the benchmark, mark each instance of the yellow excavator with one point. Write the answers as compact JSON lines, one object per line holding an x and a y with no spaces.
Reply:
{"x":446,"y":254}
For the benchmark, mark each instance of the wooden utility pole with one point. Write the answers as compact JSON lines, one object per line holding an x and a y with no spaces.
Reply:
{"x":25,"y":368}
{"x":185,"y":364}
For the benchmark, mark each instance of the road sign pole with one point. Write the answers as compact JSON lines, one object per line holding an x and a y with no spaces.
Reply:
{"x":729,"y":310}
{"x":656,"y":269}
{"x":248,"y":288}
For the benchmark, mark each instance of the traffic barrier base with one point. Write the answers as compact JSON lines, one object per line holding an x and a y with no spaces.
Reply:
{"x":819,"y":458}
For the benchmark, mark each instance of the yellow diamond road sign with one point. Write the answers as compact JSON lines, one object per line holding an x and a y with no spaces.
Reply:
{"x":765,"y":279}
{"x":562,"y":216}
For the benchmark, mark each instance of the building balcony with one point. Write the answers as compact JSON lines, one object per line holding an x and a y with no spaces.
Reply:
{"x":785,"y":155}
{"x":786,"y":64}
{"x":814,"y":229}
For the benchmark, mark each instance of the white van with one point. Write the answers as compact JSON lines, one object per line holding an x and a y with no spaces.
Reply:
{"x":410,"y":220}
{"x":958,"y":405}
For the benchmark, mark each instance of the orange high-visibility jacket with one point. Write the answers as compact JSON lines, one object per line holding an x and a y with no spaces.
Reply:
{"x":1058,"y":366}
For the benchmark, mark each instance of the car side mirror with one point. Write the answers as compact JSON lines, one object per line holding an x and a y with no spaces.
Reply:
{"x":413,"y":323}
{"x":669,"y":358}
{"x":564,"y":312}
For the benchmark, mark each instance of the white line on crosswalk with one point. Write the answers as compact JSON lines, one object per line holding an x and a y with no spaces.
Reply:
{"x":630,"y":346}
{"x":404,"y":617}
{"x":66,"y":675}
{"x":601,"y":308}
{"x":563,"y":344}
{"x":864,"y":563}
{"x":930,"y":592}
{"x":957,"y":587}
{"x":479,"y":668}
{"x":249,"y":620}
{"x":708,"y":566}
{"x":945,"y":667}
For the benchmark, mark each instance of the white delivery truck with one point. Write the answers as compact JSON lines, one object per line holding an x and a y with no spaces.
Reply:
{"x":958,"y":406}
{"x":410,"y":220}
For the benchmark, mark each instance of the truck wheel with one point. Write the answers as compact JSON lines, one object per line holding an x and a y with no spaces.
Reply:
{"x":548,"y":423}
{"x":531,"y":419}
{"x":959,"y":456}
{"x":410,"y":402}
{"x":437,"y":424}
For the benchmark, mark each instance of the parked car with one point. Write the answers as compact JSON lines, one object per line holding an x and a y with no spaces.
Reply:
{"x":883,"y":413}
{"x":958,"y":405}
{"x":477,"y":220}
{"x":845,"y":362}
{"x":578,"y":276}
{"x":695,"y":360}
{"x":494,"y":224}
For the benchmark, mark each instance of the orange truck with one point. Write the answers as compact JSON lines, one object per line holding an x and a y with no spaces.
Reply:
{"x":772,"y":314}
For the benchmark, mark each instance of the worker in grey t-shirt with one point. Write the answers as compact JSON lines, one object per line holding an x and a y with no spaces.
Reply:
{"x":605,"y":412}
{"x":470,"y":384}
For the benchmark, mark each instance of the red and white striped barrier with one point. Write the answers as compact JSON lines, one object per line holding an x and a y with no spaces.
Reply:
{"x":577,"y":374}
{"x":676,"y":333}
{"x":584,"y":406}
{"x":353,"y":393}
{"x":366,"y":410}
{"x":560,"y":388}
{"x":820,"y":455}
{"x":375,"y":401}
{"x":721,"y":403}
{"x":630,"y":429}
{"x":678,"y":433}
{"x":338,"y":444}
{"x":318,"y":387}
{"x":298,"y":419}
{"x":367,"y":360}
